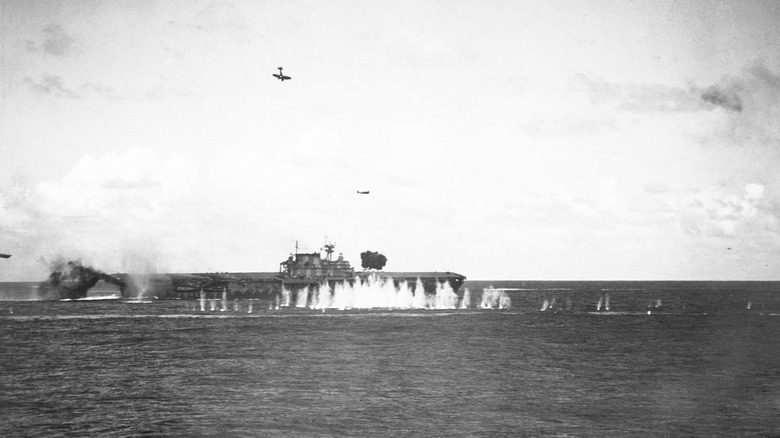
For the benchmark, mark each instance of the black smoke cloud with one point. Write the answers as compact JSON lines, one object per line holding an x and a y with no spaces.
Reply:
{"x":724,"y":97}
{"x":372,"y":260}
{"x":72,"y":280}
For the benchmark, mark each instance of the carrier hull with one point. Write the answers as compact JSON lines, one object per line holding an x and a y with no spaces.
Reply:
{"x":267,"y":286}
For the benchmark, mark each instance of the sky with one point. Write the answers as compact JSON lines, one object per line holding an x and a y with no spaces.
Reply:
{"x":598,"y":140}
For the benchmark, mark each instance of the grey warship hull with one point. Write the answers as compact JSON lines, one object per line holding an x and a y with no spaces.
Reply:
{"x":267,"y":286}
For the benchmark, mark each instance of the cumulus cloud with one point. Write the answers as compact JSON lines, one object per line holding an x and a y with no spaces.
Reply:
{"x":754,"y":191}
{"x":141,"y":209}
{"x":56,"y":42}
{"x":105,"y":211}
{"x":715,"y":213}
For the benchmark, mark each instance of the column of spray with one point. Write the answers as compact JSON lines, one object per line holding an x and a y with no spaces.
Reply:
{"x":419,"y":301}
{"x":446,"y":298}
{"x":466,"y":301}
{"x":301,"y":297}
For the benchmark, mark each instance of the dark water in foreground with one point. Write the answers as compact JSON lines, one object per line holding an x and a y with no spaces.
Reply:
{"x":702,"y":365}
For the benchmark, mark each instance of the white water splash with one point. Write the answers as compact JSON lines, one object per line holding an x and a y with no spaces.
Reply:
{"x":301,"y":298}
{"x":285,"y":301}
{"x":376,"y":292}
{"x":493,"y":298}
{"x":466,"y":301}
{"x":446,"y":298}
{"x":140,"y":285}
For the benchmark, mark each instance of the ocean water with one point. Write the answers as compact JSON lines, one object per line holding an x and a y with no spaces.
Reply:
{"x":704,"y":362}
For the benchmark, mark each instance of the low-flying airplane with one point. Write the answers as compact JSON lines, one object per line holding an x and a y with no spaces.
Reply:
{"x":281,"y":76}
{"x":362,"y":193}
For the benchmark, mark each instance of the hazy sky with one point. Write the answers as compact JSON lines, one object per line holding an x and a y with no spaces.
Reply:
{"x":499,"y":139}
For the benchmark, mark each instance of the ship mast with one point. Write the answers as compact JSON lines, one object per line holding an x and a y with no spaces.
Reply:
{"x":328,"y":248}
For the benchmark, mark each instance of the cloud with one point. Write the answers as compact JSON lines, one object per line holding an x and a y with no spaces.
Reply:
{"x":639,"y":98}
{"x":56,"y":42}
{"x":757,"y":86}
{"x":53,"y":85}
{"x":12,"y":214}
{"x":108,"y":211}
{"x":91,"y":88}
{"x":655,"y":187}
{"x":716,"y":213}
{"x":724,"y":97}
{"x":216,"y":214}
{"x":754,"y":191}
{"x":115,"y":210}
{"x":752,"y":99}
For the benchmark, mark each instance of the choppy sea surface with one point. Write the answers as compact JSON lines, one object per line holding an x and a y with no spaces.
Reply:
{"x":667,"y":359}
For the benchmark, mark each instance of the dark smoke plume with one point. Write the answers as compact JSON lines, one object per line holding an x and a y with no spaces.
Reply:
{"x":372,"y":260}
{"x":725,"y":98}
{"x":73,"y":280}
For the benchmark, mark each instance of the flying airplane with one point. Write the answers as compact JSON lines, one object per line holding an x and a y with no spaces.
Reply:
{"x":362,"y":193}
{"x":5,"y":256}
{"x":281,"y":76}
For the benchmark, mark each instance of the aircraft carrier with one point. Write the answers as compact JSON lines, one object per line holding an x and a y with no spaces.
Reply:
{"x":299,"y":273}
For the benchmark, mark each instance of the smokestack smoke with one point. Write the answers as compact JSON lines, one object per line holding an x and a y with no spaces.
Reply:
{"x":73,"y":280}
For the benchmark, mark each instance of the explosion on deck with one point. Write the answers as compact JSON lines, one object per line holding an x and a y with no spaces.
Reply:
{"x":72,"y":280}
